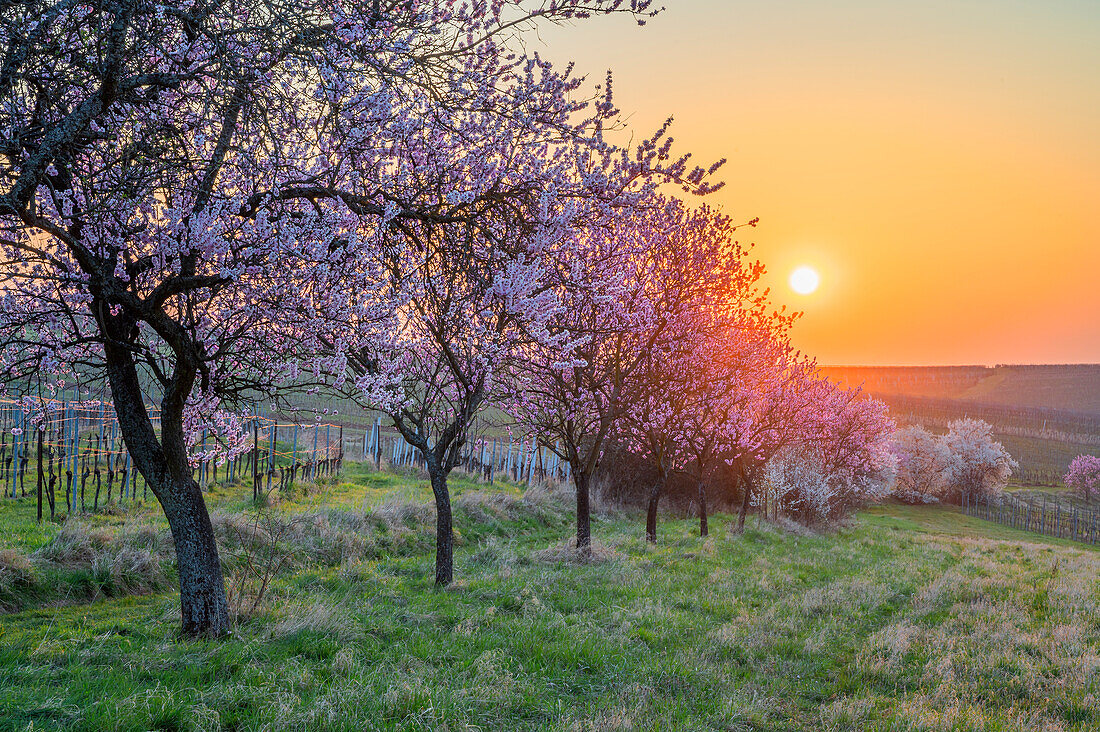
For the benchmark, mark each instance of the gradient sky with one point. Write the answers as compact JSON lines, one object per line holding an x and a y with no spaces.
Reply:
{"x":938,"y":163}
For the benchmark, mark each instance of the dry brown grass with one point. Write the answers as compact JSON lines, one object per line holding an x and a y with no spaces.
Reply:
{"x":566,"y":552}
{"x":331,"y":617}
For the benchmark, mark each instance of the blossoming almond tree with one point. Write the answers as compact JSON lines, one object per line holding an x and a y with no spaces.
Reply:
{"x":143,"y":232}
{"x":979,"y":465}
{"x":842,"y":462}
{"x":770,"y":412}
{"x":508,"y":184}
{"x":732,"y":354}
{"x":573,"y":387}
{"x":922,"y":463}
{"x":570,"y":388}
{"x":1083,"y":477}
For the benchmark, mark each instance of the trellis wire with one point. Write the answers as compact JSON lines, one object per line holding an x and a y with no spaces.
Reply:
{"x":530,"y":460}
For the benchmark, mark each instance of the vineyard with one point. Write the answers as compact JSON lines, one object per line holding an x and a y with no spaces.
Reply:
{"x":72,"y":456}
{"x":1038,"y":514}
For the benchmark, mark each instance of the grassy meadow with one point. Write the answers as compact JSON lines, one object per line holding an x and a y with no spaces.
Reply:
{"x":906,"y":618}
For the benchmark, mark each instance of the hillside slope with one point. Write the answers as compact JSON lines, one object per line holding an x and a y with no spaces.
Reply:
{"x":1073,"y":388}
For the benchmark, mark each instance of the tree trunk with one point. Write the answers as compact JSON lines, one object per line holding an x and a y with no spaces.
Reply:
{"x":444,"y":528}
{"x":651,"y":510}
{"x":203,"y":605}
{"x":163,"y":463}
{"x":746,"y":485}
{"x":700,"y":486}
{"x":584,"y":512}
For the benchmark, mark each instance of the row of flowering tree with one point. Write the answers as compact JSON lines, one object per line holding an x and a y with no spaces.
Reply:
{"x":674,"y":351}
{"x":389,"y":199}
{"x":222,"y":198}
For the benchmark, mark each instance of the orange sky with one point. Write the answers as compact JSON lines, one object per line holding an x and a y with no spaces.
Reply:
{"x":938,"y":163}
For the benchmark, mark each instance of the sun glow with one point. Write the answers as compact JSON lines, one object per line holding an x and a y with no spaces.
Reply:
{"x":804,"y":280}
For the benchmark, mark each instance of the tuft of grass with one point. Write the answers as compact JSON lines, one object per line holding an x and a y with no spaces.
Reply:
{"x":16,"y":578}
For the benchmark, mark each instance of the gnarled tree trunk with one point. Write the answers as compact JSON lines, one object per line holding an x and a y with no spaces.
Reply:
{"x":701,"y":487}
{"x":581,"y":480}
{"x":163,"y":463}
{"x":444,"y":525}
{"x":651,"y":510}
{"x":203,"y":605}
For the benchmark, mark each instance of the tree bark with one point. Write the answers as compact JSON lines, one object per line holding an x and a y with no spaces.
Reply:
{"x":702,"y":489}
{"x":444,"y":526}
{"x":584,"y":511}
{"x":203,"y":607}
{"x":746,"y":484}
{"x":163,"y":463}
{"x":651,"y":510}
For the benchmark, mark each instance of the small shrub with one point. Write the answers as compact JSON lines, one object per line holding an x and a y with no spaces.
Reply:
{"x":258,"y":549}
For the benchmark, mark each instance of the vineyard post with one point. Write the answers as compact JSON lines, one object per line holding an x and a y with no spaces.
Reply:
{"x":95,"y":464}
{"x":76,"y":453}
{"x":202,"y":463}
{"x":271,"y":453}
{"x":69,"y":415}
{"x":255,"y":459}
{"x":521,"y":457}
{"x":315,"y":430}
{"x":111,"y":462}
{"x":40,"y":475}
{"x":294,"y":449}
{"x":15,"y":453}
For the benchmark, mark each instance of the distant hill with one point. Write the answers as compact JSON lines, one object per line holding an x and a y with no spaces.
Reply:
{"x":1073,"y":388}
{"x":1044,"y":414}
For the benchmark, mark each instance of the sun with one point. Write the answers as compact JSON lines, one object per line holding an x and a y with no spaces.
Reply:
{"x":804,"y":280}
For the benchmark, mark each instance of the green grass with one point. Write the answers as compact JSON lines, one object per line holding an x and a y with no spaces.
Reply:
{"x":950,"y":521}
{"x":907,"y":618}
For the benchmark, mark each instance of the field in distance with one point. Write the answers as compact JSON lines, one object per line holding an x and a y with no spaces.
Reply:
{"x":1073,"y":387}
